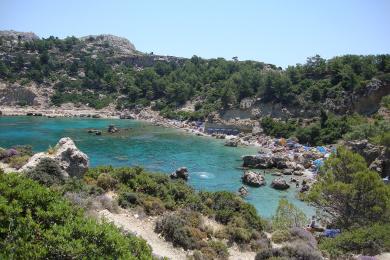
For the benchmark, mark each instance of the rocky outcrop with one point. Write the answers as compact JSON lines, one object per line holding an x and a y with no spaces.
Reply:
{"x":265,"y":162}
{"x":280,"y":184}
{"x":243,"y":191}
{"x":112,"y":129}
{"x":23,"y":36}
{"x":121,"y":45}
{"x":376,"y":156}
{"x":180,"y":173}
{"x":231,"y":143}
{"x":253,"y":179}
{"x":71,"y":160}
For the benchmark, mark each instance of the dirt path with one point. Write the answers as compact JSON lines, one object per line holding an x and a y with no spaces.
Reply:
{"x":145,"y":229}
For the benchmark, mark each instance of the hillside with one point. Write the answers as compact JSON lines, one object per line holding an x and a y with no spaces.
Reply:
{"x":107,"y":71}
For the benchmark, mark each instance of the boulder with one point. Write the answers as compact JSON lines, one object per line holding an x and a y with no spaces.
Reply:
{"x":112,"y":129}
{"x":71,"y":160}
{"x":253,"y":179}
{"x":257,"y":161}
{"x":288,"y":171}
{"x":180,"y":173}
{"x":298,"y":173}
{"x":231,"y":143}
{"x":280,"y":161}
{"x":280,"y":184}
{"x":243,"y":191}
{"x":376,"y":156}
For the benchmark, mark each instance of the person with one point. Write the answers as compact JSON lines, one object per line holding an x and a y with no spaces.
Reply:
{"x":297,"y":185}
{"x":313,"y":222}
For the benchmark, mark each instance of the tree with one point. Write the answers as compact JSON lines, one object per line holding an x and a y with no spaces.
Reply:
{"x":349,"y":193}
{"x":288,"y":216}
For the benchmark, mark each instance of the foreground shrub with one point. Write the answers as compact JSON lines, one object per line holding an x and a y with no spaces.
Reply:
{"x":370,"y":240}
{"x":293,"y":251}
{"x":288,"y":216}
{"x":47,"y":172}
{"x":174,"y":229}
{"x":37,"y":223}
{"x":280,"y":236}
{"x":18,"y":161}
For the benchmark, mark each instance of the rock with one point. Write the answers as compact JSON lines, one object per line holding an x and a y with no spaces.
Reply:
{"x":253,"y":179}
{"x":125,"y":115}
{"x":298,"y":173}
{"x":180,"y":173}
{"x":280,"y":184}
{"x":121,"y":45}
{"x":24,"y":36}
{"x":243,"y":191}
{"x":257,"y":161}
{"x":305,"y":188}
{"x":71,"y":160}
{"x":1,"y":113}
{"x":112,"y":129}
{"x":231,"y":143}
{"x":376,"y":156}
{"x":277,"y":174}
{"x":280,"y":161}
{"x":288,"y":171}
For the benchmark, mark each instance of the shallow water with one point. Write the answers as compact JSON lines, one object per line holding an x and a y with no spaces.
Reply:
{"x":212,"y":166}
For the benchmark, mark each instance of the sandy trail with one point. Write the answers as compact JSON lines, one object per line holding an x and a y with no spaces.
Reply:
{"x":145,"y":229}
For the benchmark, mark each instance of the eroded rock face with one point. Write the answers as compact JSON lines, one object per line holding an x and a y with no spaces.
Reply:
{"x":253,"y":179}
{"x":180,"y":173}
{"x":376,"y":156}
{"x":71,"y":160}
{"x":280,"y":184}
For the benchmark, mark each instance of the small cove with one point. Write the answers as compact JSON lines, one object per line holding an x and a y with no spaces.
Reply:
{"x":212,"y":166}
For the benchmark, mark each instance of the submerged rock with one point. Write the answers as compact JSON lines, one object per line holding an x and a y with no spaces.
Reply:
{"x":253,"y":179}
{"x":112,"y":129}
{"x":280,"y":184}
{"x":71,"y":160}
{"x":243,"y":191}
{"x":180,"y":173}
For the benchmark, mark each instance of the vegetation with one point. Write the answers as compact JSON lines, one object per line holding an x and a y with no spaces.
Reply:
{"x":16,"y":156}
{"x":356,"y":200}
{"x":86,"y":78}
{"x":288,"y":216}
{"x":37,"y":223}
{"x":156,"y":194}
{"x":368,"y":240}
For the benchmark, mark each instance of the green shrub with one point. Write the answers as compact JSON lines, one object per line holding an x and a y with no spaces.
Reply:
{"x":369,"y":240}
{"x":174,"y":229}
{"x":280,"y":236}
{"x":37,"y":223}
{"x":18,"y":161}
{"x":287,"y":216}
{"x":128,"y":199}
{"x":106,"y":182}
{"x":296,"y":251}
{"x":47,"y":172}
{"x":386,"y":101}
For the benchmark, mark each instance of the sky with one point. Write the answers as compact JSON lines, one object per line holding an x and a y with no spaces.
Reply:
{"x":274,"y":31}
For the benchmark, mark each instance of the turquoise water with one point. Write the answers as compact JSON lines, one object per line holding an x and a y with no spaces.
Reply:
{"x":212,"y":166}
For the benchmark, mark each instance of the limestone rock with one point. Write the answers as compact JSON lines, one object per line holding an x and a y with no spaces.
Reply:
{"x":231,"y":143}
{"x":180,"y":173}
{"x":280,"y":184}
{"x":243,"y":191}
{"x":71,"y":160}
{"x":253,"y":179}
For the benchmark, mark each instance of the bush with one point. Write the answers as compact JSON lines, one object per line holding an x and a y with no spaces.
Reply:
{"x":287,"y":216}
{"x":128,"y":199}
{"x":294,"y":251}
{"x":280,"y":236}
{"x":153,"y":206}
{"x":18,"y":161}
{"x":47,"y":172}
{"x":106,"y":182}
{"x":37,"y":223}
{"x":173,"y":228}
{"x":369,"y":240}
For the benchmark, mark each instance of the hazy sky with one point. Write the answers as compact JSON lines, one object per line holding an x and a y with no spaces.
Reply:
{"x":274,"y":31}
